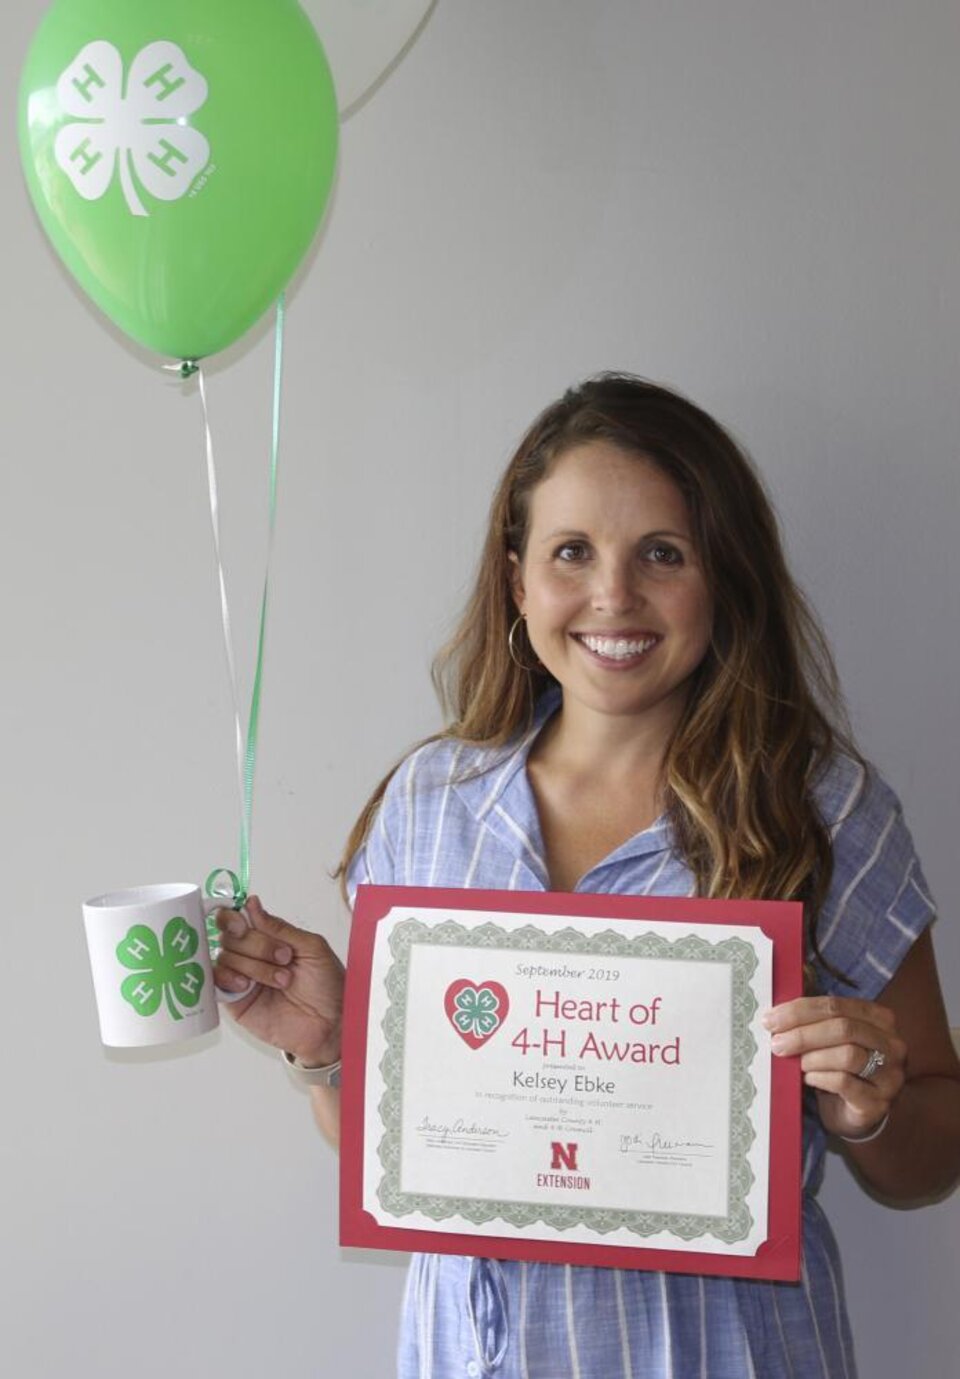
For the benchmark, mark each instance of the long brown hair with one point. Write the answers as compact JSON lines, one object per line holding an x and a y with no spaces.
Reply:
{"x":765,"y":712}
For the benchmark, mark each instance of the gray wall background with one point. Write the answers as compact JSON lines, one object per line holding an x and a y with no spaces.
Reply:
{"x":757,"y":202}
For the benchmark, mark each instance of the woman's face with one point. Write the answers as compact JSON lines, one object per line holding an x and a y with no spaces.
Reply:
{"x":616,"y":603}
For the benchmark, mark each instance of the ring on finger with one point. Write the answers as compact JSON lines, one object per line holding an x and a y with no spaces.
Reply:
{"x":875,"y":1061}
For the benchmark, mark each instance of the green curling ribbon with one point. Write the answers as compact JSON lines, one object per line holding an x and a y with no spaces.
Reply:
{"x":239,"y":885}
{"x":228,"y":890}
{"x":230,"y":893}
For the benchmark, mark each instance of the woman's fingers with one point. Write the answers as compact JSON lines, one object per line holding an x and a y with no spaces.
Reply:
{"x":853,"y":1090}
{"x":268,"y":970}
{"x":834,"y":1032}
{"x":250,"y":955}
{"x":843,"y":1048}
{"x":251,"y":943}
{"x":227,"y":979}
{"x":848,"y":1106}
{"x":811,"y":1010}
{"x":260,"y":947}
{"x":828,"y":1034}
{"x":853,"y":1059}
{"x":839,"y":1073}
{"x":834,"y":1038}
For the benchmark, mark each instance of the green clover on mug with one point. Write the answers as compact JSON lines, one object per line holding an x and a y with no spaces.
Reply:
{"x":476,"y":1011}
{"x":161,"y":970}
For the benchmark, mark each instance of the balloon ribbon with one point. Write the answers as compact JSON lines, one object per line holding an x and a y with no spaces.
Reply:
{"x":222,"y":884}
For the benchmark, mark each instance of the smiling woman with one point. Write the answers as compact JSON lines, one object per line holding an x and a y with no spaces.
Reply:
{"x":669,"y":725}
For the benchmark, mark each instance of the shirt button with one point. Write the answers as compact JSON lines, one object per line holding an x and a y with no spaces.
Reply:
{"x":473,"y":1369}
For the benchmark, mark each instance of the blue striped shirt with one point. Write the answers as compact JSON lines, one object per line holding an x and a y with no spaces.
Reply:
{"x":456,"y":815}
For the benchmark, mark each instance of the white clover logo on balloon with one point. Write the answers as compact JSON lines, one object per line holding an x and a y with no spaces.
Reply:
{"x":141,"y":126}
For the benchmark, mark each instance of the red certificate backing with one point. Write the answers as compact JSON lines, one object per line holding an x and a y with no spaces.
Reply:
{"x":781,"y":921}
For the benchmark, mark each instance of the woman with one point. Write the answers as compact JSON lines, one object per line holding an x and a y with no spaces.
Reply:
{"x":643,"y":703}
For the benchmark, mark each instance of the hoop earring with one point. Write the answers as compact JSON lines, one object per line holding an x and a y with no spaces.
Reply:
{"x":518,"y":620}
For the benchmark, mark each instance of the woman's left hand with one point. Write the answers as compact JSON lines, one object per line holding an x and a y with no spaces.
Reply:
{"x":834,"y":1038}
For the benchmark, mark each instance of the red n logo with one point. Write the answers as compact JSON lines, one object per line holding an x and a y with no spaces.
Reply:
{"x":564,"y":1155}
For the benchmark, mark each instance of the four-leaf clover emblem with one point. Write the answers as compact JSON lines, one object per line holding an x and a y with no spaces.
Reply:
{"x":139,"y":125}
{"x":476,"y":1011}
{"x":161,"y":968}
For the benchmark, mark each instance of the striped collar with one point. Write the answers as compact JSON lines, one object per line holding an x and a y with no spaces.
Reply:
{"x":499,"y":796}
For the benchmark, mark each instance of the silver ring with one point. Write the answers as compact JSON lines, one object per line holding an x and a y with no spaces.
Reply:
{"x":875,"y":1061}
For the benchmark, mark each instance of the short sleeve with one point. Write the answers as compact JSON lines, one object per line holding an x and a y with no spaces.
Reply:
{"x":383,"y":858}
{"x":878,"y":903}
{"x":374,"y":862}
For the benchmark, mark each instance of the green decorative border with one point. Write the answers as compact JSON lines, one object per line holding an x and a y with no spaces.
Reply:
{"x":742,"y":960}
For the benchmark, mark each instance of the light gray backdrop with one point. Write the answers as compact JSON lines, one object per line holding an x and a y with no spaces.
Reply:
{"x":755,"y":201}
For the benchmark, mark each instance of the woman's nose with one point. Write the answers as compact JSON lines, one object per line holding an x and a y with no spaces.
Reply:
{"x":615,"y":590}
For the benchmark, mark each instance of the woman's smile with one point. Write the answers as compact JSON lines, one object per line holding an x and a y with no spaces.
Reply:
{"x":617,"y":650}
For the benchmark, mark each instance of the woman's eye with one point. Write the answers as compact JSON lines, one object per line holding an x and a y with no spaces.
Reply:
{"x":662,"y":554}
{"x":571,"y":551}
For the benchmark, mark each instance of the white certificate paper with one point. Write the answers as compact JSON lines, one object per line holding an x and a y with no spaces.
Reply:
{"x":574,"y":1079}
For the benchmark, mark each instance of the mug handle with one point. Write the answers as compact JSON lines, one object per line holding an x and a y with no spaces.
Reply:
{"x":210,"y":907}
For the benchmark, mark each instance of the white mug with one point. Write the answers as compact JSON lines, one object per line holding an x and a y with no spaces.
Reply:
{"x":152,"y":970}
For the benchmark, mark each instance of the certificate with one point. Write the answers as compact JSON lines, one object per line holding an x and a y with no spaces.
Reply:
{"x":572,"y":1078}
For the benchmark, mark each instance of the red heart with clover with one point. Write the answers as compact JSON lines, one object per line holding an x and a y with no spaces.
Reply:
{"x":476,"y":1010}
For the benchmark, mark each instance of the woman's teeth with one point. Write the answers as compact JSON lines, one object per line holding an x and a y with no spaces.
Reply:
{"x":617,"y":648}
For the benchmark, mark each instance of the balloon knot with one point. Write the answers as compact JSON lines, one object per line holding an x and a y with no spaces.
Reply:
{"x":185,"y":369}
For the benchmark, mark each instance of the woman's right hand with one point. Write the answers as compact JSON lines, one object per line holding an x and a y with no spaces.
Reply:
{"x":297,"y":1002}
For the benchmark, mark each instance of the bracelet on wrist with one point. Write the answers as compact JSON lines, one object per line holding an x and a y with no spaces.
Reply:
{"x":327,"y":1075}
{"x":871,"y":1135}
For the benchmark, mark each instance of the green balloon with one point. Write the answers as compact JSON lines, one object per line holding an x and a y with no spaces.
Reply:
{"x":180,"y":156}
